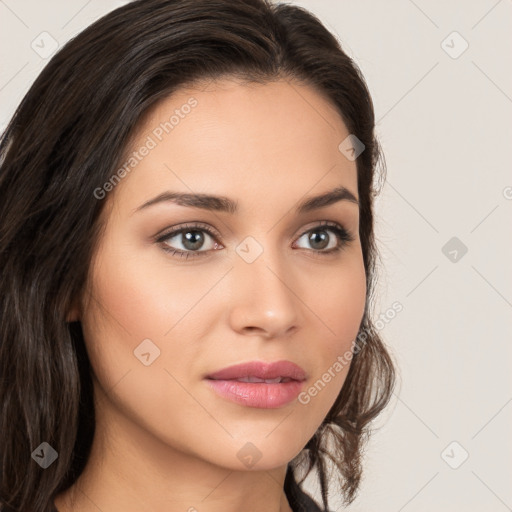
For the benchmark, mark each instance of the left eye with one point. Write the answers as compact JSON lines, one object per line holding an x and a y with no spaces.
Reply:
{"x":320,"y":239}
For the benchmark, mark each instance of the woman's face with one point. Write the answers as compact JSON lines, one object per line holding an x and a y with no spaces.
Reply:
{"x":259,"y":284}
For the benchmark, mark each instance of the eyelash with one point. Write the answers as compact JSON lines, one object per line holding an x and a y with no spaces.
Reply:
{"x":342,"y":234}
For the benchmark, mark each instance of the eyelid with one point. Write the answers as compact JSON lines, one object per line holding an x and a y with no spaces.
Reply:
{"x":329,"y":224}
{"x":167,"y":232}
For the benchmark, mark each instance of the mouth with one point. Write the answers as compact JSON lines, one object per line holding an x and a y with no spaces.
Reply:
{"x":258,"y":384}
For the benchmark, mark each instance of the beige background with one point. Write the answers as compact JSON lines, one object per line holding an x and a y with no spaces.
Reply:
{"x":445,"y":122}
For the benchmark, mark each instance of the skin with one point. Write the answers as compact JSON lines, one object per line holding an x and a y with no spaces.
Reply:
{"x":164,"y":440}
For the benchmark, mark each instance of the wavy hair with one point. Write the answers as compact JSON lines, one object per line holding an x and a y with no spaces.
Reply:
{"x":67,"y":138}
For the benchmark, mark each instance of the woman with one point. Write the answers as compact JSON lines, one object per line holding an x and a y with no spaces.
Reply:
{"x":188,"y":257}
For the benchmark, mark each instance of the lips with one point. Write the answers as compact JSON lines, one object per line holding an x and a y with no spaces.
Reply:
{"x":257,"y":371}
{"x":258,"y":384}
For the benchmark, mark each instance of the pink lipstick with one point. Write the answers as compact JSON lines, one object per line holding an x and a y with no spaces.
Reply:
{"x":259,"y":384}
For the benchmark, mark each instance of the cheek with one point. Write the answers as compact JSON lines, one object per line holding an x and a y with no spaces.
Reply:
{"x":128,"y":304}
{"x":338,"y":300}
{"x":135,"y":299}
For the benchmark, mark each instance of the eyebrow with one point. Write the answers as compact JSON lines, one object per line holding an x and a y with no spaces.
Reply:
{"x":227,"y":205}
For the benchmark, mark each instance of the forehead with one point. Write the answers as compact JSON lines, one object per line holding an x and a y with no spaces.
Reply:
{"x":231,"y":136}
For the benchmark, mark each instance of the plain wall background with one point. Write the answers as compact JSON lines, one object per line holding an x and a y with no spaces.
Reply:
{"x":445,"y":124}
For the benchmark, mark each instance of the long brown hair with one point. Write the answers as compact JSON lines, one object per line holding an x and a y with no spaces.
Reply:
{"x":66,"y":140}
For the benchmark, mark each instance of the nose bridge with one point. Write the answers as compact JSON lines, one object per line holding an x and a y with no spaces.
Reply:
{"x":262,"y":296}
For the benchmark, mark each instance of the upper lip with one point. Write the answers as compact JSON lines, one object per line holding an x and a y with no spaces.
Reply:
{"x":261,"y":370}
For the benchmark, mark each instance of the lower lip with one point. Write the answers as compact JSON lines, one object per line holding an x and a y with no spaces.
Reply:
{"x":257,"y":394}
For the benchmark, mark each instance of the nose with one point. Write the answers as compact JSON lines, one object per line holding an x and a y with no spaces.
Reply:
{"x":263,"y":302}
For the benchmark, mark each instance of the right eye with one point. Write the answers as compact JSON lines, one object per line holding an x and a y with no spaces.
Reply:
{"x":191,"y":237}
